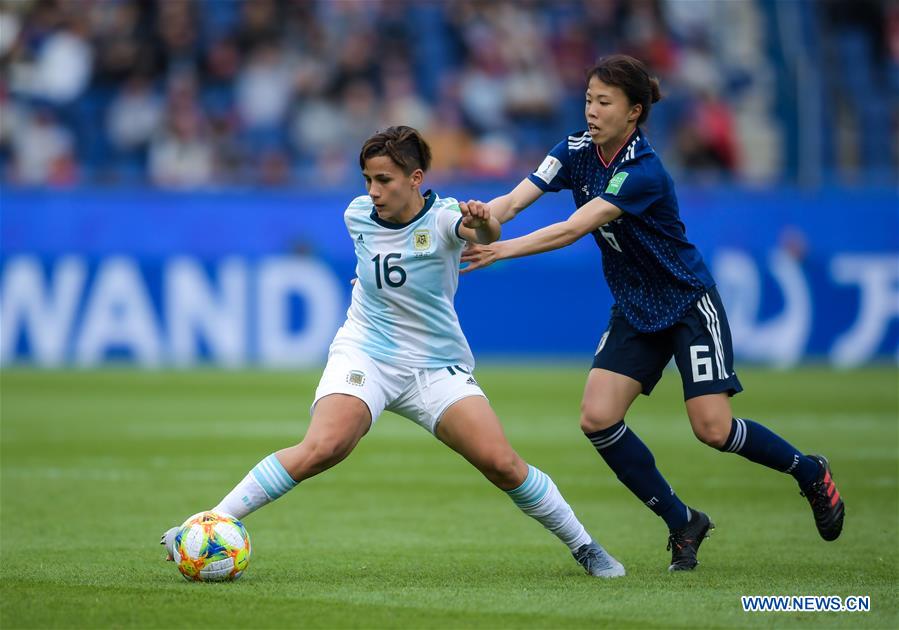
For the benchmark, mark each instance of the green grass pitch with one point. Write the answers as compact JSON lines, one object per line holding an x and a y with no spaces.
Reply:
{"x":95,"y":465}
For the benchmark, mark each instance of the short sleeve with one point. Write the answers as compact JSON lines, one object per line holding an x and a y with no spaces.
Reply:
{"x":448,"y":220}
{"x":360,"y":206}
{"x":633,"y":189}
{"x":553,"y":173}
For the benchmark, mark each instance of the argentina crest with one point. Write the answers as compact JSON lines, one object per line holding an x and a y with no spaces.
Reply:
{"x":422,"y":240}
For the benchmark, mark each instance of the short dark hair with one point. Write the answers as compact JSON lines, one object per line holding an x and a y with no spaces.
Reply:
{"x":404,"y":145}
{"x":632,"y":77}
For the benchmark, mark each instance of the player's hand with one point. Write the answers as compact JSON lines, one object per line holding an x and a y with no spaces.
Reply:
{"x":475,"y":213}
{"x":479,"y":256}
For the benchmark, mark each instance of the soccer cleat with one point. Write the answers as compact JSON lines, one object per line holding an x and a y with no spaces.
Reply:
{"x":827,"y":506}
{"x":684,"y":543}
{"x":597,"y":561}
{"x":168,"y":541}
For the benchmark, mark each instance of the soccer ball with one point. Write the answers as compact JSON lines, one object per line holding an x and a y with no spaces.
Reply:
{"x":212,"y":547}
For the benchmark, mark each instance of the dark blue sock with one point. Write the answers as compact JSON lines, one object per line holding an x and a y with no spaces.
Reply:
{"x":761,"y":445}
{"x":635,"y":467}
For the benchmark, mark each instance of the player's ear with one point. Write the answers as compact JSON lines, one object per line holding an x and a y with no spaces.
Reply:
{"x":635,"y":112}
{"x":417,"y":177}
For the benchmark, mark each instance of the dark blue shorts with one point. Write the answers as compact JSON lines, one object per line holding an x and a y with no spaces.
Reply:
{"x":700,"y":344}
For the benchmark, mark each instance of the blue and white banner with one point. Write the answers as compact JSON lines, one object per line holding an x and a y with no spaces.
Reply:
{"x":278,"y":311}
{"x":159,"y":279}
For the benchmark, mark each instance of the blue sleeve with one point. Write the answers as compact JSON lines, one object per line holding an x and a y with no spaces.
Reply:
{"x":634,"y":188}
{"x":553,"y":174}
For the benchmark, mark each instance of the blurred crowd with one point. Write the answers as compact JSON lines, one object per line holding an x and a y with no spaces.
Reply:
{"x":199,"y":93}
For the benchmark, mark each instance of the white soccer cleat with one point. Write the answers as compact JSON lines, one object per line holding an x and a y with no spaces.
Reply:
{"x":168,"y":541}
{"x":597,"y":561}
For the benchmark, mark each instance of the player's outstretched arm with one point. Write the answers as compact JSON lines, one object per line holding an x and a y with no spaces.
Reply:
{"x":506,"y":207}
{"x":586,"y":219}
{"x":478,"y":226}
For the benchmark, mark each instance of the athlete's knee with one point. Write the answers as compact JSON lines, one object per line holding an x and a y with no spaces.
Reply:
{"x":323,"y":452}
{"x":597,"y":416}
{"x":711,"y":429}
{"x":504,"y":469}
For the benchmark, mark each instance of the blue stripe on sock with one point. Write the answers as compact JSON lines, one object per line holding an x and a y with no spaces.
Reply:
{"x":537,"y":495}
{"x":266,"y":486}
{"x":284,"y":474}
{"x":532,"y":490}
{"x":525,"y":486}
{"x":537,"y":491}
{"x":273,"y":478}
{"x":281,"y":474}
{"x":277,"y":473}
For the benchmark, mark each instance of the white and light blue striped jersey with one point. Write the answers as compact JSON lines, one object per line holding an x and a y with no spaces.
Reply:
{"x":402,"y":309}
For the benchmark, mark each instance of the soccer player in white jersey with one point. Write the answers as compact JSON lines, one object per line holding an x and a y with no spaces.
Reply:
{"x":401,"y":349}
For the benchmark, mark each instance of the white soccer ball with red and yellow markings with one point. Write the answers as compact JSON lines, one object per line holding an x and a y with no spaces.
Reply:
{"x":212,"y":547}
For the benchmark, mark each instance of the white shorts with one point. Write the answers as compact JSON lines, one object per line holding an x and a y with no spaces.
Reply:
{"x":419,"y":394}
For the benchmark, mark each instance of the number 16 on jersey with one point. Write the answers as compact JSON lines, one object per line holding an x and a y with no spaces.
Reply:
{"x":394,"y":275}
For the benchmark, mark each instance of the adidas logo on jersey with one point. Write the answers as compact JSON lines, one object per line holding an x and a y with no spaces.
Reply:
{"x":471,"y":381}
{"x":359,"y":239}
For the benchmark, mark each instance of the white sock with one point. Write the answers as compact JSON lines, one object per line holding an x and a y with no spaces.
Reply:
{"x":539,"y":498}
{"x":266,"y":482}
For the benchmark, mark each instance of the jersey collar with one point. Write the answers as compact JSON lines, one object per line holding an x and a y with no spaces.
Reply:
{"x":618,"y":152}
{"x":430,"y":197}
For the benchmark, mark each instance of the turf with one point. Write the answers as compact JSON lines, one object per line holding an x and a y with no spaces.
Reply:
{"x":404,"y":533}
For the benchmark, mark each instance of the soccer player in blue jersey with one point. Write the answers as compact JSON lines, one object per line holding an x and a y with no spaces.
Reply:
{"x":401,"y":349}
{"x":666,"y":304}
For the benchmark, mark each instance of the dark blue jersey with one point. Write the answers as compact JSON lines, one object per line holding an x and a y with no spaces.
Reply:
{"x":655,"y":274}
